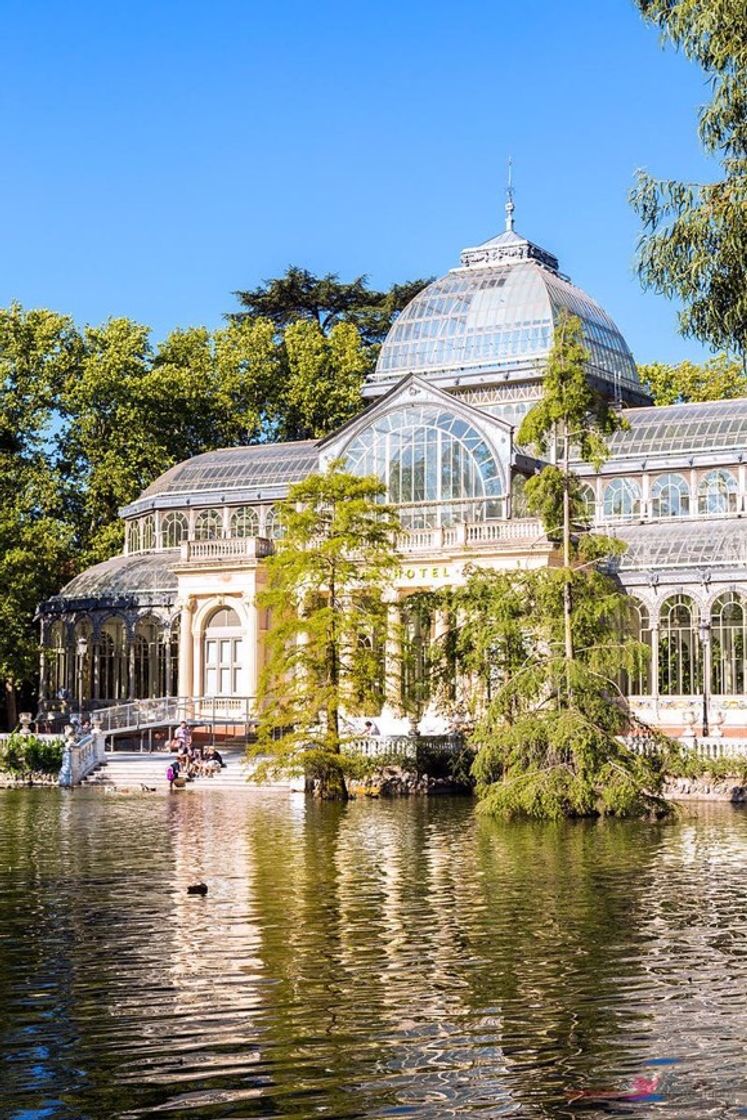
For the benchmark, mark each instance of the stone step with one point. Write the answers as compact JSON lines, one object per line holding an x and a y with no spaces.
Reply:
{"x":134,"y":770}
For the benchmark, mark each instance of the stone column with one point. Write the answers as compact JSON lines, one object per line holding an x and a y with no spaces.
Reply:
{"x":186,"y":649}
{"x":251,"y":643}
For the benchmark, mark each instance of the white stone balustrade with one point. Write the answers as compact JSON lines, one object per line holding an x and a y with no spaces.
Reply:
{"x":225,"y":550}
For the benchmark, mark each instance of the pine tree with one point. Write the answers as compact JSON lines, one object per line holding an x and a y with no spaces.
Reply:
{"x":325,"y":590}
{"x":549,"y":735}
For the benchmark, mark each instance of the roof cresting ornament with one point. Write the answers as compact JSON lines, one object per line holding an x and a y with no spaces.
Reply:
{"x":510,"y":207}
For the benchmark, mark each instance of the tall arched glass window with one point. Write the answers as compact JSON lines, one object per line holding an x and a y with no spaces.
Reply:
{"x":147,"y":645}
{"x":670,"y":496}
{"x":622,"y":500}
{"x":717,"y":493}
{"x":174,"y":529}
{"x":728,"y":645}
{"x":244,"y":522}
{"x":680,"y":671}
{"x":111,"y":669}
{"x":638,"y":682}
{"x":148,"y":533}
{"x":589,"y":499}
{"x":430,"y":458}
{"x":223,"y":648}
{"x":208,"y":525}
{"x":168,"y":661}
{"x":133,"y":536}
{"x":273,"y":528}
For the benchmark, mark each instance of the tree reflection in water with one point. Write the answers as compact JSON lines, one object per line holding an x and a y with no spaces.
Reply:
{"x":354,"y":960}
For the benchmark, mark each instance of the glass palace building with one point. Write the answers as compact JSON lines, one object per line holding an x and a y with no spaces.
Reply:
{"x":175,"y":614}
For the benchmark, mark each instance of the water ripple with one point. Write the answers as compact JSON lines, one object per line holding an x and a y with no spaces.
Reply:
{"x":373,"y":960}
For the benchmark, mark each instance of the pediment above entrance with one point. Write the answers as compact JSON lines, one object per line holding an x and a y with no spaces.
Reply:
{"x":413,"y":392}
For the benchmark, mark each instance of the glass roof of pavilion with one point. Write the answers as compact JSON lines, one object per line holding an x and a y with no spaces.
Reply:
{"x":683,"y":544}
{"x":238,"y":468}
{"x":150,"y":572}
{"x":497,"y":311}
{"x":662,"y":430}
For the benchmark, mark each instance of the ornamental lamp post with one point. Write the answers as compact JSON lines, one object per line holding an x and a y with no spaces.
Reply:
{"x":82,"y":650}
{"x":705,"y":637}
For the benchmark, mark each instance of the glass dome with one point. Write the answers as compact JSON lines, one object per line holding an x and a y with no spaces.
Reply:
{"x":497,"y":313}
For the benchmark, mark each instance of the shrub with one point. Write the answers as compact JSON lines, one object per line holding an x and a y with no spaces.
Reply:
{"x":28,"y":754}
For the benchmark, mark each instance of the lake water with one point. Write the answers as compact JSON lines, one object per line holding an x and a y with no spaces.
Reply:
{"x":381,"y":959}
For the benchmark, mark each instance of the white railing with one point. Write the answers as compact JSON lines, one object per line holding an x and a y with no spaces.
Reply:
{"x":710,"y":746}
{"x":82,"y":757}
{"x":470,"y":534}
{"x":163,"y":711}
{"x":404,"y":746}
{"x":226,"y":550}
{"x":492,"y":532}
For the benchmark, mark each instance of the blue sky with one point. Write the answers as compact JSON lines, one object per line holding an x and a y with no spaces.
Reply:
{"x":159,"y":155}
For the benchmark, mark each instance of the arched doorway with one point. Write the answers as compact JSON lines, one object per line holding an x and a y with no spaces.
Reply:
{"x":223,"y":653}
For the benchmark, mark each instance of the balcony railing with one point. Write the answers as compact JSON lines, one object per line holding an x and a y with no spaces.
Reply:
{"x":226,"y":550}
{"x":500,"y":534}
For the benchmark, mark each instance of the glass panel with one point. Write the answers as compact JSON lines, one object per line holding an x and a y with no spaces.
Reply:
{"x":426,"y":454}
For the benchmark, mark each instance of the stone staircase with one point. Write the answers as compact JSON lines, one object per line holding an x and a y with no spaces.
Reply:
{"x":134,"y":771}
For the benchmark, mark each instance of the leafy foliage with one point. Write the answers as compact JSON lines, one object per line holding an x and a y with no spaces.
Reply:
{"x":324,"y":593}
{"x":324,"y":379}
{"x":720,"y":378}
{"x":694,"y":242}
{"x":327,"y":301}
{"x":547,"y":647}
{"x":25,"y":755}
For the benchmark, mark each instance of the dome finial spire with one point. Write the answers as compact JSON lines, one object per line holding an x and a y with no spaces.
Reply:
{"x":510,"y":198}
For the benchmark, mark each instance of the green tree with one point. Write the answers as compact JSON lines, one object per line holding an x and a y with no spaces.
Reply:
{"x":132,"y":412}
{"x":571,"y":416}
{"x":325,"y":589}
{"x":554,"y":640}
{"x":694,"y":242}
{"x":39,"y":351}
{"x":324,"y":379}
{"x":327,"y":301}
{"x":720,"y":378}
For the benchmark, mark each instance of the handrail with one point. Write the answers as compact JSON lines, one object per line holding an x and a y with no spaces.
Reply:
{"x":164,"y":710}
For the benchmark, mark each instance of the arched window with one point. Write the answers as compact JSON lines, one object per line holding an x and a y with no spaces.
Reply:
{"x":589,"y":499}
{"x":133,"y":536}
{"x":244,"y":522}
{"x":84,"y":654}
{"x":273,"y":528}
{"x":519,"y":496}
{"x":208,"y":525}
{"x":168,"y":661}
{"x":638,"y":681}
{"x":223,"y":653}
{"x":148,"y":533}
{"x":111,"y":670}
{"x":728,"y":645}
{"x":717,"y":493}
{"x":174,"y":529}
{"x":622,"y":500}
{"x":147,"y":648}
{"x":428,"y":456}
{"x":680,"y":672}
{"x":670,"y":496}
